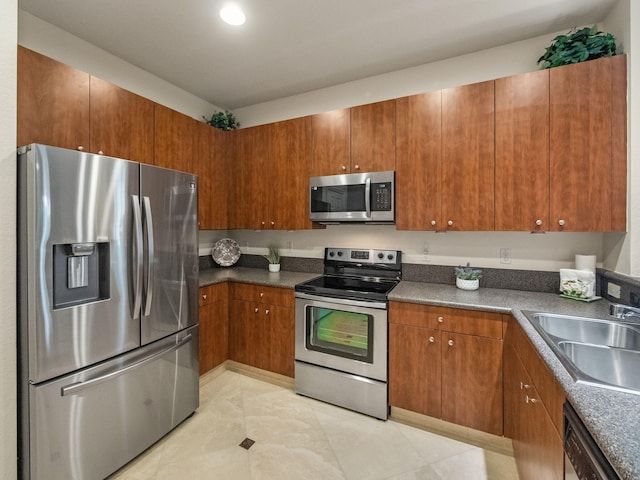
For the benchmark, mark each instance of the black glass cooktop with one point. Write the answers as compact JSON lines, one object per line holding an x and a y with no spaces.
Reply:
{"x":349,"y":287}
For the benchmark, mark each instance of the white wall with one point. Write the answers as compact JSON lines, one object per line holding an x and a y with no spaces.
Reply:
{"x":49,"y":40}
{"x":8,"y":417}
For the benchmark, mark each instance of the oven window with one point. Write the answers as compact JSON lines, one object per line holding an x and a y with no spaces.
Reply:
{"x":341,"y":333}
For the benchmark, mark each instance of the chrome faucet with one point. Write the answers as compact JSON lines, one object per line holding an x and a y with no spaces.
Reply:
{"x":625,"y":313}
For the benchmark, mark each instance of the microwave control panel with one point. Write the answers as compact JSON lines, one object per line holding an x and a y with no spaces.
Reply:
{"x":382,"y":197}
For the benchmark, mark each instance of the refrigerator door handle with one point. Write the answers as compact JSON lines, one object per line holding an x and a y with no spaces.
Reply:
{"x":137,"y":231}
{"x":150,"y":252}
{"x":79,"y":386}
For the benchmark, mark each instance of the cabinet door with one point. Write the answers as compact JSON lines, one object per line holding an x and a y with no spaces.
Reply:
{"x":415,"y":369}
{"x":581,"y":146}
{"x":522,"y":152}
{"x":210,"y":164}
{"x":249,"y":334}
{"x":288,"y":174}
{"x":418,"y":162}
{"x":173,"y":139}
{"x":53,"y":102}
{"x":537,"y":445}
{"x":373,"y":137}
{"x":331,"y":143}
{"x":214,"y":328}
{"x":472,"y":382}
{"x":250,"y":179}
{"x":468,"y":157}
{"x":282,"y":335}
{"x":121,"y":123}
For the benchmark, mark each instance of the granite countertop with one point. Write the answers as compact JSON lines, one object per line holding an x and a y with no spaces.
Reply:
{"x":612,"y":417}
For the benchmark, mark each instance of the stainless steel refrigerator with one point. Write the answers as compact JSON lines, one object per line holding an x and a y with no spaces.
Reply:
{"x":108,"y":309}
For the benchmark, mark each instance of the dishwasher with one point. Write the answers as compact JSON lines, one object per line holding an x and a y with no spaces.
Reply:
{"x":583,"y":459}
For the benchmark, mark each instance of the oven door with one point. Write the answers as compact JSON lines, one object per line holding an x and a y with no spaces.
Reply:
{"x":345,"y":335}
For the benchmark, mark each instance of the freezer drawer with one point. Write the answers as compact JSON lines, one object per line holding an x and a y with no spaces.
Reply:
{"x":88,"y":424}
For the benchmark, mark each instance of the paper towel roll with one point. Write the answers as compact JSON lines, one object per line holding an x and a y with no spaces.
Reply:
{"x":586,"y":262}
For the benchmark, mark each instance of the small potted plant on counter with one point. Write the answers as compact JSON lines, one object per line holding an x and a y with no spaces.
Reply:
{"x":468,"y":278}
{"x":273,"y":257}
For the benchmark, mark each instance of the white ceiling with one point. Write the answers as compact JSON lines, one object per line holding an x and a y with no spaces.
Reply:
{"x":288,"y":47}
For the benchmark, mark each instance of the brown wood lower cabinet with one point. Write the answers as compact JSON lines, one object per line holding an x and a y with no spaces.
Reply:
{"x":447,"y":363}
{"x":214,"y":326}
{"x":531,"y":414}
{"x":262,"y":333}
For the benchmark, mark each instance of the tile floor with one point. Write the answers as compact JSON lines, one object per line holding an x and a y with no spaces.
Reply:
{"x":300,"y":438}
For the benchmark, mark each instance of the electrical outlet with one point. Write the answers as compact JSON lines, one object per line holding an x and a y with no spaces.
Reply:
{"x":635,"y":299}
{"x":505,"y":255}
{"x":425,"y":252}
{"x":289,"y":246}
{"x":613,"y":290}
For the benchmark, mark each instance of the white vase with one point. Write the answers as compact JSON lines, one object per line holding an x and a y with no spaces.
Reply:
{"x":467,"y":284}
{"x":274,"y":267}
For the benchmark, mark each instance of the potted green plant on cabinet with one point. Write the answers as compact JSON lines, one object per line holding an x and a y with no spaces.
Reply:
{"x":576,"y":46}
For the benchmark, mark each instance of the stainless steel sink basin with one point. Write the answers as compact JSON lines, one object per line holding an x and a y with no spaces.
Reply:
{"x":605,"y":353}
{"x":588,"y":330}
{"x":615,"y":367}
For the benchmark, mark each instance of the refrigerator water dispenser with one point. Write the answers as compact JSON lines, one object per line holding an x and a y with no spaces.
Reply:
{"x":80,"y":273}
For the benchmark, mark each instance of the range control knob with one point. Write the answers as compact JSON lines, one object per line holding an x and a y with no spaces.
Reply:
{"x":381,"y":255}
{"x":390,"y":256}
{"x":339,"y":253}
{"x":331,"y":254}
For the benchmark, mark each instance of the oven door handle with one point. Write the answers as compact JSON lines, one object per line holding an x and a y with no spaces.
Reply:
{"x":342,"y":301}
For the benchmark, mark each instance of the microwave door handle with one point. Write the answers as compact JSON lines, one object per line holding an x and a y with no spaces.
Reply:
{"x":367,"y":196}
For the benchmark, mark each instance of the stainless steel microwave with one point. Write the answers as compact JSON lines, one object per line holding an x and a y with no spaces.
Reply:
{"x":354,"y":197}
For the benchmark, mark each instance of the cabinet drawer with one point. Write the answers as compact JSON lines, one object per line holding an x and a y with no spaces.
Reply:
{"x":457,"y":320}
{"x":261,"y":294}
{"x":213,"y":293}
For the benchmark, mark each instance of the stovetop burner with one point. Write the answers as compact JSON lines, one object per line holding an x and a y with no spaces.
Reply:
{"x":358,"y":274}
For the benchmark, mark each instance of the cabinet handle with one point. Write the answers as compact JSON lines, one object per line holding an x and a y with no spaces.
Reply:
{"x":561,"y":222}
{"x":80,"y":147}
{"x":204,"y":297}
{"x":432,"y":339}
{"x":344,"y":168}
{"x":538,"y":222}
{"x":256,"y":310}
{"x":529,"y":399}
{"x":433,"y":222}
{"x":266,"y":312}
{"x":261,"y":294}
{"x":440,"y":319}
{"x":262,"y":223}
{"x":272,"y":223}
{"x":450,"y":222}
{"x":524,"y":386}
{"x":357,"y":167}
{"x":100,"y":152}
{"x":450,"y":343}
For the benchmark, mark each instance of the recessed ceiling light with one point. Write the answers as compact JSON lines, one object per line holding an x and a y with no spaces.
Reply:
{"x":232,"y":14}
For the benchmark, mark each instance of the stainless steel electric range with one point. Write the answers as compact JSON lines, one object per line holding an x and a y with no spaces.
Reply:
{"x":342,"y":329}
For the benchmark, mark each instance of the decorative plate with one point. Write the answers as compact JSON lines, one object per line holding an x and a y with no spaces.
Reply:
{"x":226,"y":252}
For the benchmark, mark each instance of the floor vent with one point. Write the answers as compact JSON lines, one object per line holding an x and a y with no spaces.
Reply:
{"x":247,"y":443}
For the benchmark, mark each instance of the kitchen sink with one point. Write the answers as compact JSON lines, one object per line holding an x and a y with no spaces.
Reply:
{"x":613,"y":366}
{"x":605,"y":353}
{"x":588,"y":330}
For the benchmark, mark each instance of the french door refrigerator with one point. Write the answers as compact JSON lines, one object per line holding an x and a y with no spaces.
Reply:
{"x":108,"y":309}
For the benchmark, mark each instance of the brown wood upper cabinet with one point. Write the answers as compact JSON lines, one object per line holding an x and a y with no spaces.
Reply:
{"x":522,"y":152}
{"x":360,"y":139}
{"x":445,"y":159}
{"x":271,"y":176}
{"x":174,"y":139}
{"x":61,"y":106}
{"x":588,"y":147}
